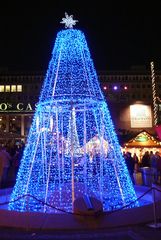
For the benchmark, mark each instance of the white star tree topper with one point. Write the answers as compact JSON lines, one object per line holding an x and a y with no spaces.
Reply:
{"x":68,"y":21}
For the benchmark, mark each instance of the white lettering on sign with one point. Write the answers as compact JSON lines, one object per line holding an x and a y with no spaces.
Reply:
{"x":8,"y":107}
{"x":20,"y":106}
{"x":3,"y":106}
{"x":28,"y":108}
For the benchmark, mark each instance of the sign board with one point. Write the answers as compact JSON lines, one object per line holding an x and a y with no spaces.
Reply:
{"x":140,"y":116}
{"x":17,"y":107}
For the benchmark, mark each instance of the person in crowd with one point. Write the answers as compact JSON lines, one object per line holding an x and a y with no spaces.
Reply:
{"x":16,"y":162}
{"x":124,"y":154}
{"x":145,"y":162}
{"x":152,"y":157}
{"x":130,"y":165}
{"x":136,"y":160}
{"x":153,"y":165}
{"x":5,"y":159}
{"x":159,"y":169}
{"x":17,"y":157}
{"x":1,"y":167}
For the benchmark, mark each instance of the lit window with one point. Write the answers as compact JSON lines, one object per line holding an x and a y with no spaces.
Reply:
{"x":19,"y":88}
{"x":1,"y":88}
{"x":13,"y":88}
{"x":7,"y":88}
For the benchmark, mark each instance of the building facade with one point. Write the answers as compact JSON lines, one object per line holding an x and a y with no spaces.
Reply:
{"x":19,"y":93}
{"x":131,"y":99}
{"x":129,"y":95}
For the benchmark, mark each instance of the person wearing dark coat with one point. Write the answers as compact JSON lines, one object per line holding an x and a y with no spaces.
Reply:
{"x":130,"y":165}
{"x":146,"y":159}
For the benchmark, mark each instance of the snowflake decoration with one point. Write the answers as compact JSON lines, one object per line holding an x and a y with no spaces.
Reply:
{"x":68,"y":21}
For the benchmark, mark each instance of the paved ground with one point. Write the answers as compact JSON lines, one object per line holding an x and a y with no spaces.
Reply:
{"x":141,"y":232}
{"x":135,"y":232}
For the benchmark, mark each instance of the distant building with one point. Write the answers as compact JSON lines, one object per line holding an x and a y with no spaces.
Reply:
{"x":19,"y":93}
{"x":128,"y":93}
{"x":130,"y":98}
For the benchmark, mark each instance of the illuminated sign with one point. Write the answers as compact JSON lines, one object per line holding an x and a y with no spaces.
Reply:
{"x":17,"y":107}
{"x":140,"y":116}
{"x":141,"y":138}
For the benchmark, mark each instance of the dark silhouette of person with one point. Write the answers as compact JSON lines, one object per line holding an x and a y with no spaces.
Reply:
{"x":146,"y":159}
{"x":130,"y":162}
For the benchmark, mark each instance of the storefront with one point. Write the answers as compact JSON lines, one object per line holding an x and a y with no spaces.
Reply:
{"x":141,"y":143}
{"x":15,"y":121}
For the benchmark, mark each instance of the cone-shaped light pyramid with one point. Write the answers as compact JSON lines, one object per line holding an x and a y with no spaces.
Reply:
{"x":72,"y":148}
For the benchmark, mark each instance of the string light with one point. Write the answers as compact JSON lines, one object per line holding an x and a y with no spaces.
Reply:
{"x":154,"y":93}
{"x":58,"y":165}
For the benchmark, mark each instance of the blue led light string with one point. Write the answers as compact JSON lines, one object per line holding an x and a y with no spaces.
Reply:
{"x":113,"y":144}
{"x":71,"y":120}
{"x":97,"y":123}
{"x":85,"y":149}
{"x":126,"y":185}
{"x":102,"y":155}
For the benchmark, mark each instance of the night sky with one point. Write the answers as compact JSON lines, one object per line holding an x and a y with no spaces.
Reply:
{"x":119,"y":34}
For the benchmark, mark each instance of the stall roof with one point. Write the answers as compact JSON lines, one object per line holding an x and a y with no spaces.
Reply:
{"x":143,"y":139}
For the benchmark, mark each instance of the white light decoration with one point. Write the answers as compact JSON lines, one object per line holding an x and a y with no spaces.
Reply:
{"x":154,"y":93}
{"x":37,"y":124}
{"x":68,"y":21}
{"x":57,"y":166}
{"x":51,"y":123}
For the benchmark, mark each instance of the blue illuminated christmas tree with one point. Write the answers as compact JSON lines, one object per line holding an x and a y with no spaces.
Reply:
{"x":72,"y":148}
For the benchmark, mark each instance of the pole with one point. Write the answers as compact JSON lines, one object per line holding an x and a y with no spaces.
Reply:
{"x":154,"y":93}
{"x":154,"y":207}
{"x":155,"y":224}
{"x":72,"y":158}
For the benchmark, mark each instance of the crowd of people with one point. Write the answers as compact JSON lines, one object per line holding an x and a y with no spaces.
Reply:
{"x":10,"y":157}
{"x":149,"y":159}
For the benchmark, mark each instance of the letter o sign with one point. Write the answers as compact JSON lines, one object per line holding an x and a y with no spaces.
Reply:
{"x":3,"y":106}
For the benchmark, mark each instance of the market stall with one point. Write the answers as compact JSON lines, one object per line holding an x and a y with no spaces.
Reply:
{"x":141,"y":143}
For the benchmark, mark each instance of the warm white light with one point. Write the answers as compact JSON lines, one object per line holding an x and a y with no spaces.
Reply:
{"x":154,"y":93}
{"x":7,"y":88}
{"x":13,"y":88}
{"x":1,"y":88}
{"x":19,"y":88}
